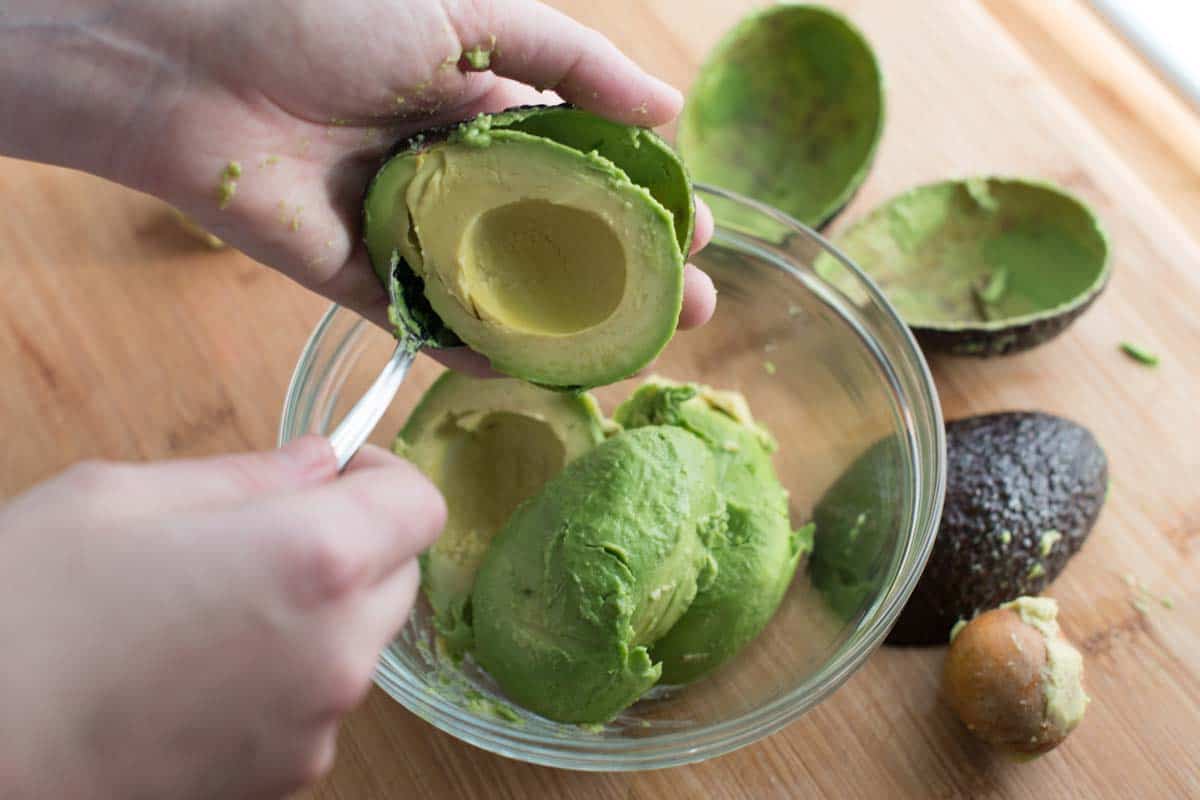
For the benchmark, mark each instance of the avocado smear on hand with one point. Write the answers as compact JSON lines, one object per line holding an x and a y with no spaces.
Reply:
{"x":487,"y":445}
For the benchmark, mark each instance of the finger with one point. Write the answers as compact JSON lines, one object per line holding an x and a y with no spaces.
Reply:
{"x":544,"y":48}
{"x":353,"y":531}
{"x":388,"y":604}
{"x":117,"y":492}
{"x":699,"y":298}
{"x":464,"y":360}
{"x":703,"y":230}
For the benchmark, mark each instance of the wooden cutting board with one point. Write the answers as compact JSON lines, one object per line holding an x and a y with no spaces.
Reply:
{"x":121,"y":338}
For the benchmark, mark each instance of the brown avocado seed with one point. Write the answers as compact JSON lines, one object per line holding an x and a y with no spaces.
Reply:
{"x":1013,"y":679}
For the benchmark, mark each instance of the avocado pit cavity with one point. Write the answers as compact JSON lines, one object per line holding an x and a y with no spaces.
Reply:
{"x":541,"y":267}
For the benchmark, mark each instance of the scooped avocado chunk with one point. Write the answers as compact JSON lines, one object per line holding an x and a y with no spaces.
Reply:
{"x":1023,"y":490}
{"x":547,"y":239}
{"x":488,"y":445}
{"x":755,"y":552}
{"x":788,"y":109}
{"x":982,"y":266}
{"x":593,"y":569}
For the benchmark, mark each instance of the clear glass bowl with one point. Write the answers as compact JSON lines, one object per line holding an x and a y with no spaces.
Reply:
{"x":831,"y":370}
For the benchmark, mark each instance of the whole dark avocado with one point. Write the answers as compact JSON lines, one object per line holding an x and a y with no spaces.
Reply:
{"x":1023,"y":490}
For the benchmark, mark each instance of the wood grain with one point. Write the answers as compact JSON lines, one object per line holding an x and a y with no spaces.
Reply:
{"x":124,"y":338}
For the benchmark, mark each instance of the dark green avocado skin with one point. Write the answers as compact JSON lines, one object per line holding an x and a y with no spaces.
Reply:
{"x":1021,"y":472}
{"x":988,"y":342}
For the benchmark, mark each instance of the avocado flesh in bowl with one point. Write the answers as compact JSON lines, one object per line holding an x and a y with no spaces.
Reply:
{"x":547,"y":239}
{"x":592,"y":570}
{"x":982,"y":266}
{"x":755,"y":553}
{"x":488,"y":445}
{"x":788,"y":109}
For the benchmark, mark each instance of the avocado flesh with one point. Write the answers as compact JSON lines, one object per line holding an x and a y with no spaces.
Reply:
{"x":1023,"y":491}
{"x":547,"y":259}
{"x":788,"y":110}
{"x":592,"y":570}
{"x":984,"y":265}
{"x":488,"y":445}
{"x":755,"y":553}
{"x":856,"y":519}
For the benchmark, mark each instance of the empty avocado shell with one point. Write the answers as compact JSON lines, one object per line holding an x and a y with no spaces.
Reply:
{"x":788,"y":110}
{"x":982,"y":266}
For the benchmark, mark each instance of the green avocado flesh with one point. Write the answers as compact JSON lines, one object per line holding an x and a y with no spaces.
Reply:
{"x":488,"y":445}
{"x":788,"y":109}
{"x":983,"y":254}
{"x":584,"y":561}
{"x":755,"y":552}
{"x":547,"y":239}
{"x":593,"y":570}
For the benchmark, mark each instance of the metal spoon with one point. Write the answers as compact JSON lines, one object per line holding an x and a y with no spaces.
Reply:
{"x":354,"y":430}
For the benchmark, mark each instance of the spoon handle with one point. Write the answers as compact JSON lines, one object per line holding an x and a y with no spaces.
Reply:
{"x":354,"y":430}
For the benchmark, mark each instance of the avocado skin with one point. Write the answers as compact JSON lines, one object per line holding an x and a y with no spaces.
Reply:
{"x":593,"y":569}
{"x":1023,"y":472}
{"x":988,"y":342}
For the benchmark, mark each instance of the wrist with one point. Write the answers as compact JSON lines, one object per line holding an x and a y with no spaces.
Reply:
{"x":76,"y":81}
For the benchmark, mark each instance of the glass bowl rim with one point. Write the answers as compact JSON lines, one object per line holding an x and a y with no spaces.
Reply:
{"x":718,"y":738}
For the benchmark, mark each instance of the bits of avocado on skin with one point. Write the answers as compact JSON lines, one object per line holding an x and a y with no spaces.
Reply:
{"x":988,"y":291}
{"x":1139,"y":354}
{"x":769,"y":367}
{"x":1047,"y":541}
{"x":479,"y":57}
{"x":227,"y":187}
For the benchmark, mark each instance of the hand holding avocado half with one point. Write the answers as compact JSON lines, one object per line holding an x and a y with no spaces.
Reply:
{"x":269,"y":147}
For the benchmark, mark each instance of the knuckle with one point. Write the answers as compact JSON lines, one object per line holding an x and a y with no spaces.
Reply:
{"x":320,"y":759}
{"x":94,"y":476}
{"x":349,"y":680}
{"x":318,"y":569}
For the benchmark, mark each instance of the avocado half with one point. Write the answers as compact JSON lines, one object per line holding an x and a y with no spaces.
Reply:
{"x":1023,"y":491}
{"x":983,"y":266}
{"x":788,"y":109}
{"x":488,"y":445}
{"x":548,"y":239}
{"x":754,"y":554}
{"x":592,"y":570}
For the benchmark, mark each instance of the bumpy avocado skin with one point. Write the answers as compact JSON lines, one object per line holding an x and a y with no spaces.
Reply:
{"x":755,"y":553}
{"x":640,"y":152}
{"x":592,"y":570}
{"x":1014,"y":480}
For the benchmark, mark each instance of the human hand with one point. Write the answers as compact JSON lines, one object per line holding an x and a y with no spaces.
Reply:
{"x":306,"y":96}
{"x":195,"y":629}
